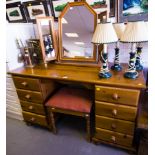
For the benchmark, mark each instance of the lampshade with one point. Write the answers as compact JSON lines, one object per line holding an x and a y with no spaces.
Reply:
{"x":119,"y":28}
{"x":104,"y":34}
{"x":135,"y":32}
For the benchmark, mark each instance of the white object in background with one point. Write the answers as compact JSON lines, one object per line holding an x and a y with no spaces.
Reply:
{"x":13,"y":108}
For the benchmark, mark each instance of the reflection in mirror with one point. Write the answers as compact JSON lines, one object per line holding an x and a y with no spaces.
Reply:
{"x":77,"y":24}
{"x":47,"y":38}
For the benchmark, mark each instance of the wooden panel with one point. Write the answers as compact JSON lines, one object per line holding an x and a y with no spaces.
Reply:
{"x":30,"y":96}
{"x":47,"y":87}
{"x":32,"y":107}
{"x":80,"y":74}
{"x":27,"y":83}
{"x":117,"y":125}
{"x":34,"y":118}
{"x":117,"y":95}
{"x":114,"y":137}
{"x":115,"y":111}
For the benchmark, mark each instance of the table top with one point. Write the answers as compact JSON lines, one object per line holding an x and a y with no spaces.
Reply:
{"x":85,"y":74}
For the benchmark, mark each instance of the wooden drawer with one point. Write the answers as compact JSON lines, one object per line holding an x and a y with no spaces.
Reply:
{"x":117,"y":125}
{"x":115,"y":111}
{"x":114,"y":137}
{"x":117,"y":95}
{"x":30,"y":96}
{"x":27,"y":83}
{"x":32,"y":107}
{"x":34,"y":118}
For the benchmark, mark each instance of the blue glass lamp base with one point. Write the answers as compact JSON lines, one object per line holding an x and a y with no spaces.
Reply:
{"x":105,"y":75}
{"x":139,"y":67}
{"x":116,"y":67}
{"x":131,"y":75}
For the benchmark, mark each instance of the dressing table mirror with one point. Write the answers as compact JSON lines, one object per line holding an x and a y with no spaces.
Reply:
{"x":47,"y":38}
{"x":77,"y":23}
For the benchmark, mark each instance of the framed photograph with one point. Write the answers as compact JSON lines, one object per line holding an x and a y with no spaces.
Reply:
{"x":132,"y":10}
{"x":35,"y":9}
{"x":15,"y":13}
{"x":113,"y":5}
{"x":99,"y":6}
{"x":57,"y":6}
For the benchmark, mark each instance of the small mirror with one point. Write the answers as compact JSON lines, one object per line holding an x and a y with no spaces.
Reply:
{"x":47,"y":38}
{"x":77,"y":23}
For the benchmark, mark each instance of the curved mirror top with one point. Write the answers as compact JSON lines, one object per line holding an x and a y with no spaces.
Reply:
{"x":77,"y":31}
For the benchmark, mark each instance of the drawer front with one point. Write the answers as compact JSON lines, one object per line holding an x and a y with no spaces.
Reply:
{"x":114,"y":137}
{"x":27,"y":83}
{"x":117,"y":125}
{"x":115,"y":111}
{"x":34,"y":118}
{"x":117,"y":95}
{"x":32,"y":107}
{"x":30,"y":96}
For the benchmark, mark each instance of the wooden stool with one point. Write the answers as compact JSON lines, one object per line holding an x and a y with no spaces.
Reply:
{"x":71,"y":101}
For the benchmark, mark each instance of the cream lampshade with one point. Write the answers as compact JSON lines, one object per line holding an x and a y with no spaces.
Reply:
{"x":119,"y":28}
{"x":104,"y":34}
{"x":135,"y":32}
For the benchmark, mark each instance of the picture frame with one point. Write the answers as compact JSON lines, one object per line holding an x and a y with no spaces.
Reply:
{"x":113,"y":6}
{"x":127,"y":14}
{"x":57,"y":6}
{"x":35,"y":9}
{"x":99,"y":6}
{"x":15,"y":13}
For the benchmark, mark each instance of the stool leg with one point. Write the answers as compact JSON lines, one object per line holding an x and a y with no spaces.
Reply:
{"x":53,"y":123}
{"x":87,"y":116}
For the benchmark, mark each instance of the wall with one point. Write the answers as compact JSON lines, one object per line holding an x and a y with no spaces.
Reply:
{"x":21,"y":31}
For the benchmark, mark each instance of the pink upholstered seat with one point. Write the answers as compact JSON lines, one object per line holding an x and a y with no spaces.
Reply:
{"x":71,"y":99}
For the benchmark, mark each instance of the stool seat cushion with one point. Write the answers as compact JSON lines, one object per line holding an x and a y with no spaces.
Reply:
{"x":71,"y":99}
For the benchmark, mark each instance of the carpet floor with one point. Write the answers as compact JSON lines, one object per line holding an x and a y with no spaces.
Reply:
{"x":70,"y":140}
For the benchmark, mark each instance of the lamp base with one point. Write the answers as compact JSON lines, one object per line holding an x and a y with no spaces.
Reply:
{"x":131,"y":75}
{"x":105,"y":75}
{"x":139,"y":67}
{"x":116,"y":67}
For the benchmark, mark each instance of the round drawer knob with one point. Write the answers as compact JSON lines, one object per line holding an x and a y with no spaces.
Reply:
{"x":114,"y":112}
{"x":31,"y":107}
{"x":27,"y":96}
{"x":113,"y":126}
{"x":113,"y":138}
{"x":32,"y":119}
{"x":24,"y":83}
{"x":115,"y":96}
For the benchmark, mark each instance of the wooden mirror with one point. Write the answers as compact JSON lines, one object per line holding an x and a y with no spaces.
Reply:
{"x":77,"y":23}
{"x":47,"y":38}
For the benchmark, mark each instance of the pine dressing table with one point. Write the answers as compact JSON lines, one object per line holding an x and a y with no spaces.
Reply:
{"x":116,"y":99}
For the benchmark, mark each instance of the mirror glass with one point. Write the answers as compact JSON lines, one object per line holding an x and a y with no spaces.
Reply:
{"x":47,"y":38}
{"x":78,"y":24}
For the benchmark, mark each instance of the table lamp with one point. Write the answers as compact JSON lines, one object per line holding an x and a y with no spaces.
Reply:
{"x":135,"y":32}
{"x":104,"y":34}
{"x":119,"y":28}
{"x":139,"y":66}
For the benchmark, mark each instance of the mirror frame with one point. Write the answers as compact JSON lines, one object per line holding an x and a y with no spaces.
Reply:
{"x":80,"y":59}
{"x":53,"y":35}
